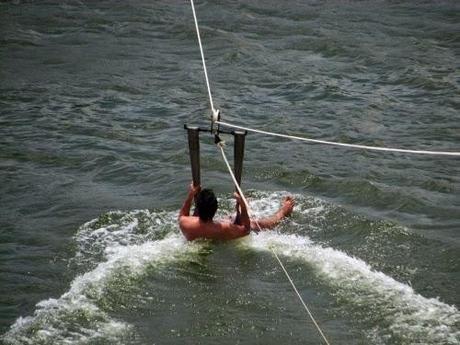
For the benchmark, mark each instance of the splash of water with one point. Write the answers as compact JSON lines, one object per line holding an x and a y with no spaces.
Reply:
{"x":123,"y":246}
{"x":395,"y":310}
{"x":76,"y":316}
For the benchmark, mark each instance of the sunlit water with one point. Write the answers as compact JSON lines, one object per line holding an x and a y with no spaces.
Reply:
{"x":93,"y":98}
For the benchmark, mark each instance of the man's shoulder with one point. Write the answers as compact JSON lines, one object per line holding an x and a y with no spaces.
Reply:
{"x":188,"y":221}
{"x":193,"y":228}
{"x":189,"y":226}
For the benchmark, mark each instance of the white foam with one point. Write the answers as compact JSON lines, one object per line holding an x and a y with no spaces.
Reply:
{"x":118,"y":228}
{"x":54,"y":317}
{"x":410,"y":315}
{"x":123,"y":247}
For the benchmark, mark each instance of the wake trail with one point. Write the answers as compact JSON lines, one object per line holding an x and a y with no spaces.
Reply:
{"x":394,"y":308}
{"x":76,"y":317}
{"x":125,"y":245}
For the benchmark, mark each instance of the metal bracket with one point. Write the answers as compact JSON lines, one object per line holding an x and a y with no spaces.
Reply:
{"x":220,"y":131}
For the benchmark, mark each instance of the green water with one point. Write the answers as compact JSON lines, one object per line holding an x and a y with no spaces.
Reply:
{"x":94,"y":168}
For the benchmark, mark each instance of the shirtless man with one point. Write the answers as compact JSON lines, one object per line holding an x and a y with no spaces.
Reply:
{"x":203,"y":226}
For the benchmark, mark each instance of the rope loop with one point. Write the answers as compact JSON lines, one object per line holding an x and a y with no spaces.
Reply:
{"x":218,"y":141}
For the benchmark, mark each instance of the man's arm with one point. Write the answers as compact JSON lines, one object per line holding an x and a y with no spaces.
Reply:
{"x":244,"y":216}
{"x":187,"y":223}
{"x":270,"y":222}
{"x":230,"y":231}
{"x":192,"y":191}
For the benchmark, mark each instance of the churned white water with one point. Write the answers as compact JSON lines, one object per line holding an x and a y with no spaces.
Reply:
{"x":75,"y":317}
{"x":405,"y":313}
{"x":126,"y":245}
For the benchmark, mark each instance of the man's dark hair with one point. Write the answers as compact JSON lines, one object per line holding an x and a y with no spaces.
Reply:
{"x":206,"y":203}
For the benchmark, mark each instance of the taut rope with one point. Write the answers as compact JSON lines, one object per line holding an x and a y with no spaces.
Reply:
{"x":251,"y":215}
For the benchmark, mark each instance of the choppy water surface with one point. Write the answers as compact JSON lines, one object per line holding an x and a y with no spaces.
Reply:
{"x":94,"y":167}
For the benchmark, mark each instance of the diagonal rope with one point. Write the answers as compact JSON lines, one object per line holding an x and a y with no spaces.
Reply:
{"x":325,"y":142}
{"x":293,"y":137}
{"x":300,"y":297}
{"x":202,"y":57}
{"x":235,"y":182}
{"x":220,"y":145}
{"x":251,"y":215}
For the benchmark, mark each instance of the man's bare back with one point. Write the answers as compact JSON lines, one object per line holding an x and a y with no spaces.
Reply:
{"x":203,"y":226}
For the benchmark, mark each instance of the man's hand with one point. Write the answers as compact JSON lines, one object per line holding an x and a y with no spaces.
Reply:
{"x":239,"y":199}
{"x":245,"y":221}
{"x":193,"y":190}
{"x":287,"y":205}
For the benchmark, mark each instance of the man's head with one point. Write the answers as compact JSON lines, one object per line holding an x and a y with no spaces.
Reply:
{"x":206,"y":203}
